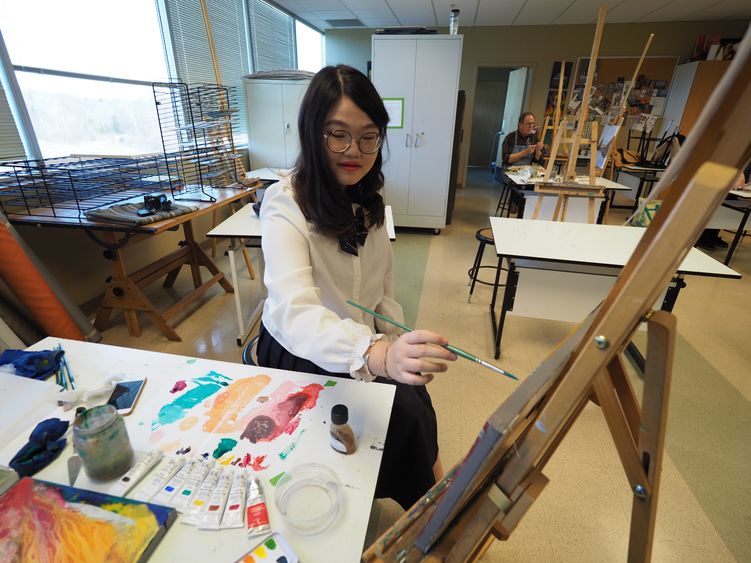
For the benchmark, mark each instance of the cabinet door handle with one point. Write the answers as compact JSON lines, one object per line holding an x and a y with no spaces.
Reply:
{"x":286,"y":128}
{"x":417,"y":138}
{"x":406,"y":140}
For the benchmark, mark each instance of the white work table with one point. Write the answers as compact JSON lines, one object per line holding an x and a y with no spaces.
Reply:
{"x":369,"y":409}
{"x":570,"y":267}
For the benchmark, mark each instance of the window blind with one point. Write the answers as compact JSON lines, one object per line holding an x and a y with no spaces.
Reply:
{"x":188,"y":41}
{"x":11,"y":147}
{"x":272,"y":36}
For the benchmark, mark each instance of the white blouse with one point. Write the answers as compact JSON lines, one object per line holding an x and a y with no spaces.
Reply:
{"x":309,"y":280}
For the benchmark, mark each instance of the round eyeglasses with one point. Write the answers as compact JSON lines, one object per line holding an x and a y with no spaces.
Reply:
{"x":340,"y":141}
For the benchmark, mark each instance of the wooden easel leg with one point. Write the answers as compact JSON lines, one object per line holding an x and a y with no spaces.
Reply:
{"x":557,"y":210}
{"x":538,"y":206}
{"x":194,"y":262}
{"x":248,"y":263}
{"x":591,"y":210}
{"x":657,"y":375}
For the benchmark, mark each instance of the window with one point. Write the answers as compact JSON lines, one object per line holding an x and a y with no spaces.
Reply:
{"x":85,"y":80}
{"x":272,"y":35}
{"x":309,"y":47}
{"x":186,"y":43}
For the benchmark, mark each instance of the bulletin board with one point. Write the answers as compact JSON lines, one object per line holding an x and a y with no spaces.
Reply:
{"x":649,"y":93}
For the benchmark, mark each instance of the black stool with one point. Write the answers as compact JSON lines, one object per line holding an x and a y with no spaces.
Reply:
{"x":485,"y":236}
{"x":250,"y":357}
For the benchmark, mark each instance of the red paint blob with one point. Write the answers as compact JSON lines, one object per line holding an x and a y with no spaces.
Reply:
{"x":178,"y":386}
{"x":275,"y":417}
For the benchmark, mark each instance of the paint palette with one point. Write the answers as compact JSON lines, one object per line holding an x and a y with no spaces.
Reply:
{"x":274,"y":549}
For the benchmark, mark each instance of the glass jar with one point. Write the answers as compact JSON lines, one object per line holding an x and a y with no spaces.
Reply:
{"x":101,"y":441}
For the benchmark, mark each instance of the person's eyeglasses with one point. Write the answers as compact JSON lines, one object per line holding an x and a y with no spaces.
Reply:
{"x":530,"y":124}
{"x":340,"y":141}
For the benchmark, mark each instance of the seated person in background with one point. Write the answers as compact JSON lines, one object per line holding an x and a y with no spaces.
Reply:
{"x":325,"y":242}
{"x":522,"y":146}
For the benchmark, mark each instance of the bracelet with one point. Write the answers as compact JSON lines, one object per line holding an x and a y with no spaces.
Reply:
{"x":385,"y":358}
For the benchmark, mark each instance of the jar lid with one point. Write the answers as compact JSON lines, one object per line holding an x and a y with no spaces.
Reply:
{"x":308,"y":498}
{"x":339,"y":414}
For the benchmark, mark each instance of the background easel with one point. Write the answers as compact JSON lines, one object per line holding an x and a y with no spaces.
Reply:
{"x":576,"y":140}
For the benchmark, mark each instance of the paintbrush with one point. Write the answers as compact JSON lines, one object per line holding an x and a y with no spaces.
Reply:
{"x":449,"y":347}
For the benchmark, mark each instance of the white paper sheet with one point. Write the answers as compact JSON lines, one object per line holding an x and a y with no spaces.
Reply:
{"x":23,"y":403}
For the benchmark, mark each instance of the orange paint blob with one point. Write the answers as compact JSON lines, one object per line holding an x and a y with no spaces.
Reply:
{"x":229,"y":404}
{"x":188,"y":423}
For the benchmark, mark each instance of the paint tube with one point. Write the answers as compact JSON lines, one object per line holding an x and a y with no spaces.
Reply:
{"x":193,"y":481}
{"x":256,"y":513}
{"x":202,"y":497}
{"x":233,"y":514}
{"x":165,"y":494}
{"x":210,"y":517}
{"x":136,"y":473}
{"x":162,"y":474}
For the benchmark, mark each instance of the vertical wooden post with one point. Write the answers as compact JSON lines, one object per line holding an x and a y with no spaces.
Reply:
{"x":584,"y":109}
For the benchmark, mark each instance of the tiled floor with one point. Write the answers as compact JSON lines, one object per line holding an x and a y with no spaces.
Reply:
{"x":584,"y":512}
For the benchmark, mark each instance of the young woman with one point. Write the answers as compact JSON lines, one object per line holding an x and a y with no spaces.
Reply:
{"x":324,"y":242}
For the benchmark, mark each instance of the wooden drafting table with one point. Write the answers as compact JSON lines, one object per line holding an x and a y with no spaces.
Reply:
{"x":369,"y":411}
{"x":732,"y":216}
{"x":573,"y":265}
{"x":245,"y":224}
{"x":521,"y":185}
{"x":124,"y":289}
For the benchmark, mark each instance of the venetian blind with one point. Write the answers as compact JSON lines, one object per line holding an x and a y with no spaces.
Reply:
{"x":272,"y":36}
{"x":190,"y":46}
{"x":11,"y":147}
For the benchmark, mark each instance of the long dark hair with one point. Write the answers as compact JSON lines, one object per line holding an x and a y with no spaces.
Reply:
{"x":316,"y":189}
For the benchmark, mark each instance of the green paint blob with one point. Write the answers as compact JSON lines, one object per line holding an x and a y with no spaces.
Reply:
{"x":270,"y":543}
{"x":275,"y":479}
{"x":205,"y":388}
{"x":329,"y":383}
{"x":191,"y":361}
{"x":225,"y":445}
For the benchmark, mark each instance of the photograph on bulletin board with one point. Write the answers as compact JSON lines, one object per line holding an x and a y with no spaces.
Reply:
{"x":611,"y":80}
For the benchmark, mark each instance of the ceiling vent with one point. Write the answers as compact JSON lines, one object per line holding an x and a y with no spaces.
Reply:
{"x":354,"y":22}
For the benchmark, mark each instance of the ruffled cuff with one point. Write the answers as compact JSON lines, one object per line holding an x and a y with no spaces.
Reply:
{"x":359,"y":370}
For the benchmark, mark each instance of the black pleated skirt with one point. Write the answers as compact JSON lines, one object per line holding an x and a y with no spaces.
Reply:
{"x":411,"y":447}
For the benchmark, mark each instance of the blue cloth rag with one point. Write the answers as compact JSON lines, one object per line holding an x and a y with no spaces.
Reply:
{"x":44,"y":445}
{"x":36,"y":365}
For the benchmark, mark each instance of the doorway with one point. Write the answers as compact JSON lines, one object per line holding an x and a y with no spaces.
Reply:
{"x":499,"y":98}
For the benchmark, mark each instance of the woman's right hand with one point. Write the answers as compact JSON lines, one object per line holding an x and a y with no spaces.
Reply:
{"x":407,"y":358}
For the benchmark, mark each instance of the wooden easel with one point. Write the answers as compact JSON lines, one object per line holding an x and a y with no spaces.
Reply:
{"x":564,"y":191}
{"x":243,"y":172}
{"x":487,"y":493}
{"x":577,"y":139}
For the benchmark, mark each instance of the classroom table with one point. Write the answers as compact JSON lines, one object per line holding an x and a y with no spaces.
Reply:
{"x":521,"y":184}
{"x":245,"y":224}
{"x":570,"y":267}
{"x":369,"y":411}
{"x":123,"y":289}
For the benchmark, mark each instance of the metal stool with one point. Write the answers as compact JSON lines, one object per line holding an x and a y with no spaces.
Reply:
{"x":250,"y":356}
{"x":485,"y":236}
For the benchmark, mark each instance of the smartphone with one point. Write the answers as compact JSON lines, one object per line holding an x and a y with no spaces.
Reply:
{"x":125,"y":394}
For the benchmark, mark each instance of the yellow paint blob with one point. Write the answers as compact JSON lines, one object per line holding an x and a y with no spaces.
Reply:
{"x":188,"y":423}
{"x":229,"y":404}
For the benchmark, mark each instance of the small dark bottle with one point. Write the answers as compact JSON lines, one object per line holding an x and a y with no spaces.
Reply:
{"x":342,"y":436}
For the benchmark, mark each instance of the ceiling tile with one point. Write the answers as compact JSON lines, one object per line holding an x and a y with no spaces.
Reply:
{"x":378,"y":22}
{"x":635,"y":10}
{"x":316,"y":5}
{"x":724,"y":10}
{"x":467,"y":11}
{"x":540,"y":12}
{"x":334,"y":14}
{"x":418,"y":13}
{"x":584,"y":11}
{"x":365,"y":4}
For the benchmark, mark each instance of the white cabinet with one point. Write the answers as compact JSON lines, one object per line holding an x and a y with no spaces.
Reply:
{"x":272,"y":108}
{"x":421,"y":74}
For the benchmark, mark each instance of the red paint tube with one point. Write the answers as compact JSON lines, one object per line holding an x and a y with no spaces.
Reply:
{"x":255,"y":510}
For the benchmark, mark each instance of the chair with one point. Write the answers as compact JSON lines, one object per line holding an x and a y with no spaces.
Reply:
{"x":250,"y":352}
{"x":485,"y":237}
